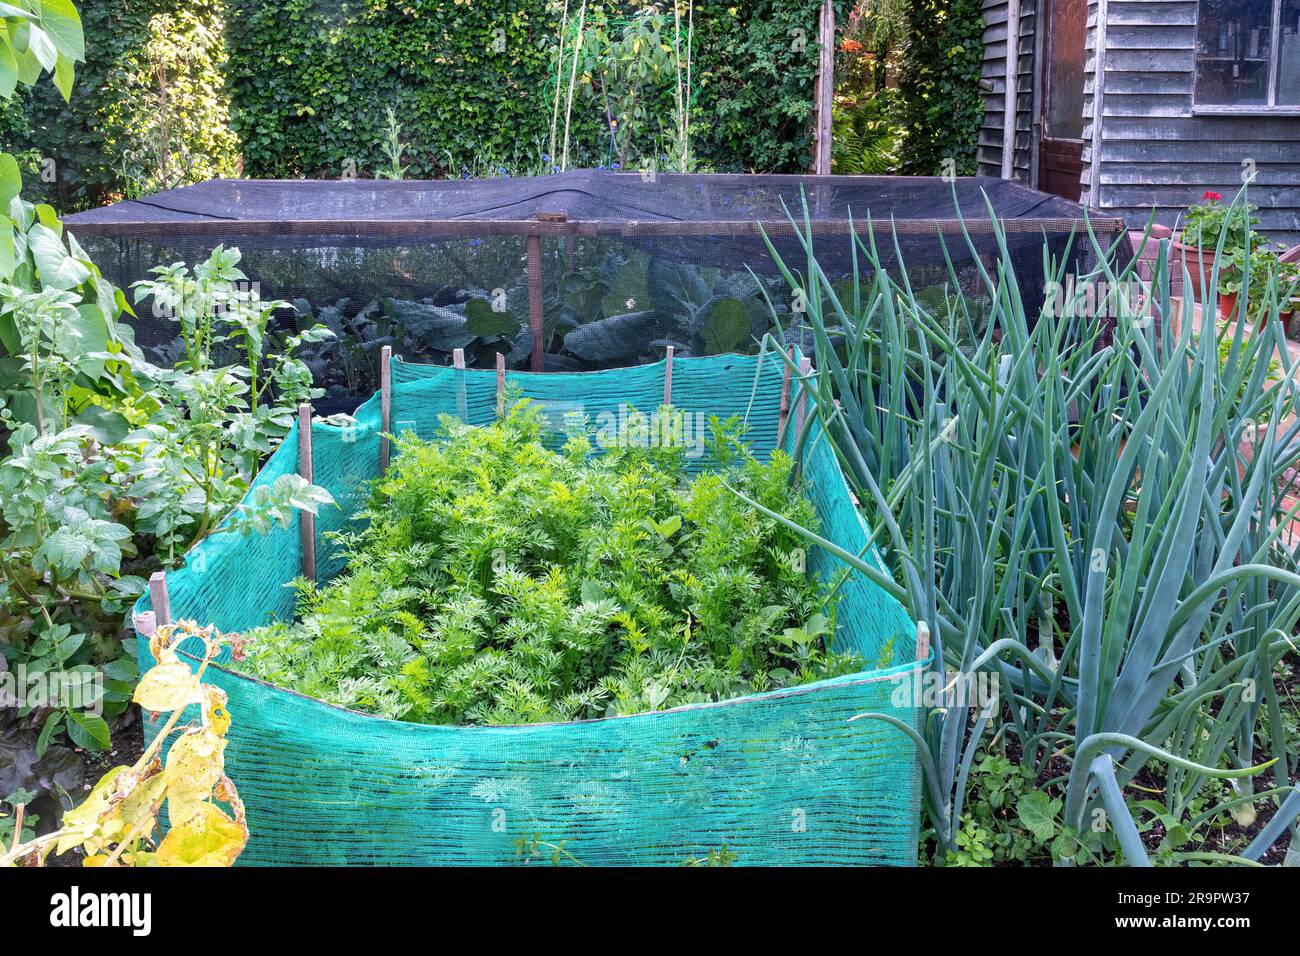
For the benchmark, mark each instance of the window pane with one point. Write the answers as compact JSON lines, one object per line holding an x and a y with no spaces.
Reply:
{"x":1288,"y":77}
{"x":1232,"y":52}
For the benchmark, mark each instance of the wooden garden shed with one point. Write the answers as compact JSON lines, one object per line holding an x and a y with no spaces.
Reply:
{"x":1129,"y":105}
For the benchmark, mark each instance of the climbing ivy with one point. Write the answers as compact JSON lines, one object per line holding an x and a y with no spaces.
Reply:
{"x":940,"y":83}
{"x":473,"y":85}
{"x":758,"y":66}
{"x":310,"y":87}
{"x":107,"y":140}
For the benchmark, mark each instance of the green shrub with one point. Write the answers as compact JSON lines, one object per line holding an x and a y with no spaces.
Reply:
{"x":148,"y":108}
{"x":472,"y":105}
{"x":500,"y":582}
{"x":940,"y":84}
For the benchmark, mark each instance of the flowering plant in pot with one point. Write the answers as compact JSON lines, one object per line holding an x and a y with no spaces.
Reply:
{"x":1265,"y":264}
{"x":1203,"y":226}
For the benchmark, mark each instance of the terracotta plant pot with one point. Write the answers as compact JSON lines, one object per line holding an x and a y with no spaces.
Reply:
{"x":1227,"y":304}
{"x":1200,"y":268}
{"x":1150,"y":251}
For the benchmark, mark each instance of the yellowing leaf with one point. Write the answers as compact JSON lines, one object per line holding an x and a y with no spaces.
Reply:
{"x":194,"y":765}
{"x":85,"y":822}
{"x":140,"y":804}
{"x":206,"y":838}
{"x":169,"y":686}
{"x":215,"y":713}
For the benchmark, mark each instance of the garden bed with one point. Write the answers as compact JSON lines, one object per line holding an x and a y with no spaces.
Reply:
{"x":782,"y":776}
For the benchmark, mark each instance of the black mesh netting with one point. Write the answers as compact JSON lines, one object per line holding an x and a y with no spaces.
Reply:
{"x":612,"y":267}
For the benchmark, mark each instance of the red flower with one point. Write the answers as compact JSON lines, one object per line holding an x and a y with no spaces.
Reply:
{"x":1212,"y":196}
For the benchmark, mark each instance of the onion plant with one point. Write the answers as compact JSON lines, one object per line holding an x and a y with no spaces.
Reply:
{"x":1093,"y":503}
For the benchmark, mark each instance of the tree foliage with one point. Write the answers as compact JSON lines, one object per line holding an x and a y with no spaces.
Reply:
{"x":148,"y":107}
{"x":474,"y":84}
{"x":940,"y":86}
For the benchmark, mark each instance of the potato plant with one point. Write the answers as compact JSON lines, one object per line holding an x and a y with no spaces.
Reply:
{"x":116,"y":824}
{"x":497,"y":581}
{"x":111,"y":465}
{"x":116,"y":466}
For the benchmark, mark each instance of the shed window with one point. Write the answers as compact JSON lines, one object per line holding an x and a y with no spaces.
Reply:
{"x":1248,"y":54}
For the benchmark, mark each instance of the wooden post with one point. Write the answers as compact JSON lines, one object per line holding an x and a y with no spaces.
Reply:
{"x":824,"y":95}
{"x":501,"y":385}
{"x":668,"y":376}
{"x":458,"y":363}
{"x":922,"y":641}
{"x":801,"y":410}
{"x":162,"y":605}
{"x":535,"y":299}
{"x":1011,"y":89}
{"x":306,"y":520}
{"x":385,"y":404}
{"x":784,"y":415}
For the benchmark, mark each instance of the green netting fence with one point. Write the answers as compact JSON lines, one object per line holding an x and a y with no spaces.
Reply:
{"x":781,"y":777}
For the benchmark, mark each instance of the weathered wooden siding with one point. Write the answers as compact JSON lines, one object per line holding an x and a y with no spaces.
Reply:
{"x":1155,"y":150}
{"x":994,"y":85}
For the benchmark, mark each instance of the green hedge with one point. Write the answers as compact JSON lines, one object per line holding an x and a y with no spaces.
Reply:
{"x":105,"y":142}
{"x":311,"y":84}
{"x":940,"y":86}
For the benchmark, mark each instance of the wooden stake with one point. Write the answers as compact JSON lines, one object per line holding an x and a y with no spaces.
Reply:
{"x":458,"y":363}
{"x":668,"y":376}
{"x":501,"y":385}
{"x":784,"y":415}
{"x":852,"y":496}
{"x":535,"y":299}
{"x":385,"y":404}
{"x":306,"y":520}
{"x":922,"y":641}
{"x":162,"y":605}
{"x":801,"y":410}
{"x":824,"y":94}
